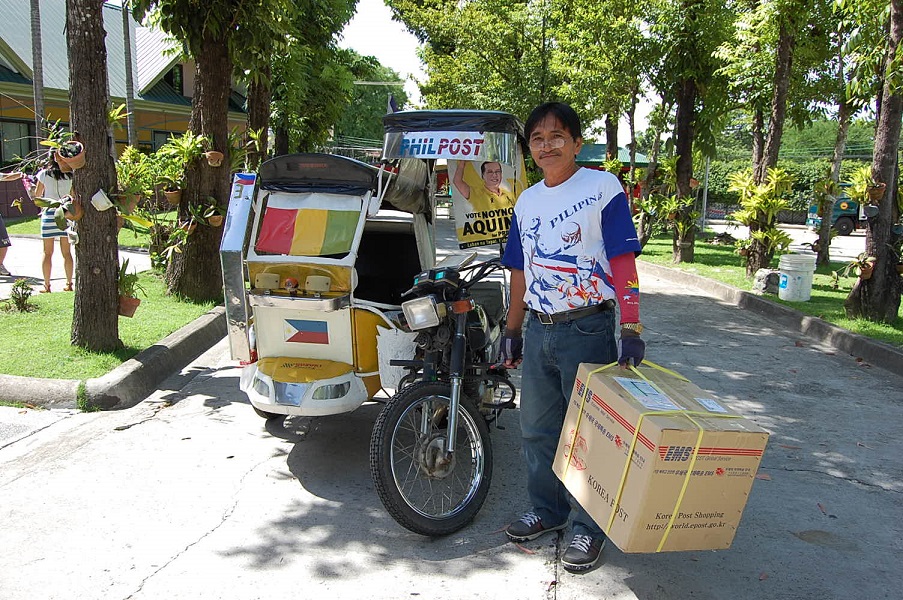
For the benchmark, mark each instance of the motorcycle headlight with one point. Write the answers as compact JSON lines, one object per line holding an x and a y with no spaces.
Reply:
{"x":422,"y":313}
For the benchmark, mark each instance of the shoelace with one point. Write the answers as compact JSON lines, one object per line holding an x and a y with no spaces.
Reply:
{"x":529,"y":519}
{"x":582,"y":542}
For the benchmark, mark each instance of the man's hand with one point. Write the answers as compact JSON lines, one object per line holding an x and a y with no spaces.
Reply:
{"x":512,"y":351}
{"x":631,"y":349}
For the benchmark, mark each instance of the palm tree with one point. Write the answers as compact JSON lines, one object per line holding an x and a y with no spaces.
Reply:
{"x":129,"y":80}
{"x":37,"y":67}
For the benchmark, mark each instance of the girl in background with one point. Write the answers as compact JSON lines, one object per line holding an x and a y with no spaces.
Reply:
{"x":54,"y":184}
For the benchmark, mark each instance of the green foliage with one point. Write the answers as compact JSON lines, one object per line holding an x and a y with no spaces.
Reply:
{"x":45,"y":351}
{"x":128,"y":282}
{"x":135,"y":172}
{"x":362,"y":116}
{"x":19,"y":294}
{"x":860,"y":182}
{"x":718,"y":262}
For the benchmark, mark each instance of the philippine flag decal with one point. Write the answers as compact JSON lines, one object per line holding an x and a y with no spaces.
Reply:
{"x":306,"y":332}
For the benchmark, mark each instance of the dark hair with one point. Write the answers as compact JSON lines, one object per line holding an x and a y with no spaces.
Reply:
{"x":483,"y":166}
{"x":54,"y":170}
{"x":561,"y":111}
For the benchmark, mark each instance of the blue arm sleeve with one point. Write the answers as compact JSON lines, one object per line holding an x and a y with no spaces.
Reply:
{"x":514,"y":252}
{"x":618,"y":230}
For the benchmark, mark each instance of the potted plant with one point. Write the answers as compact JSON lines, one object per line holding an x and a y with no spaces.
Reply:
{"x":65,"y":209}
{"x":135,"y":177}
{"x":128,"y":290}
{"x":206,"y":214}
{"x":171,"y":178}
{"x":67,"y":150}
{"x":863,"y":266}
{"x":214,"y":158}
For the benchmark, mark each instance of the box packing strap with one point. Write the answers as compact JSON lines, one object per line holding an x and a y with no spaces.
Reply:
{"x":636,"y":433}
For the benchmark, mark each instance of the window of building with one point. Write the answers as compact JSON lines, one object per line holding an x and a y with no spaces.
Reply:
{"x":161,"y":137}
{"x":174,"y":78}
{"x":18,"y":140}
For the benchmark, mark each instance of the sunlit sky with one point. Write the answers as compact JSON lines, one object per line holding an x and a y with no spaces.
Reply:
{"x":372,"y":32}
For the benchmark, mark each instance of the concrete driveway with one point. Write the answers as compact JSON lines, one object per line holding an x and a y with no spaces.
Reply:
{"x":191,"y":495}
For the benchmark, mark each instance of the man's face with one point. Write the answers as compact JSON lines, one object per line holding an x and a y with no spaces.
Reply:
{"x":548,"y":133}
{"x":492,"y":175}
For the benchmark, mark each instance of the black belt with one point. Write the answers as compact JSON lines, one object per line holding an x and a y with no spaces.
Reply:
{"x":573,"y":315}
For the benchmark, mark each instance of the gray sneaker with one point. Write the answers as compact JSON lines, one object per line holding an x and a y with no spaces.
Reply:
{"x":583,"y":553}
{"x":4,"y":272}
{"x":529,"y":527}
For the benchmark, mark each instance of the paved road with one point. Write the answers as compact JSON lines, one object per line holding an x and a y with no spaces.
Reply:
{"x":843,"y":247}
{"x":23,"y":260}
{"x":191,"y":495}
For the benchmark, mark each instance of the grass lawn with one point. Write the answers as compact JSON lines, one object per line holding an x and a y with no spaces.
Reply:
{"x":36,"y":344}
{"x":127,"y":236}
{"x":723,"y":264}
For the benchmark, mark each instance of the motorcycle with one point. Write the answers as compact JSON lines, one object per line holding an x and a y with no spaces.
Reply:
{"x":317,"y":252}
{"x":430,"y":451}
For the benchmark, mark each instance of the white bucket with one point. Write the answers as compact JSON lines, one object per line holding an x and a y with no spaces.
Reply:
{"x":796,"y":276}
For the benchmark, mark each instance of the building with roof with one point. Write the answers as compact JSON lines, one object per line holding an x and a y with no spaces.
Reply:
{"x":163,"y":82}
{"x":594,"y":155}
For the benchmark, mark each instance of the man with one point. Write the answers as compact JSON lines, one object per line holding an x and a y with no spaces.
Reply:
{"x":484,"y":194}
{"x":571,"y":251}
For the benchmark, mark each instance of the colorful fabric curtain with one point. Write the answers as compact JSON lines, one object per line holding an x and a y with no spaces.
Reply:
{"x":308,"y":225}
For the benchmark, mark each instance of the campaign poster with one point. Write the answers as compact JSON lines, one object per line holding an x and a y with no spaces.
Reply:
{"x":483,"y":196}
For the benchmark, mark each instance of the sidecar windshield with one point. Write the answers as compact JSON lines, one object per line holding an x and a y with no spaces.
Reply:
{"x":308,"y":224}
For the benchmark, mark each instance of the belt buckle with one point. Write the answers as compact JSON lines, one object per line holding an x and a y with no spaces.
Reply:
{"x":544,"y":319}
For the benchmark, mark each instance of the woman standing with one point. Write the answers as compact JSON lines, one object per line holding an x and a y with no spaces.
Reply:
{"x":54,"y":184}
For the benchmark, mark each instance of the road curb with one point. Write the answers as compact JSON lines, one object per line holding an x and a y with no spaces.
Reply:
{"x":871,"y":351}
{"x":132,"y":381}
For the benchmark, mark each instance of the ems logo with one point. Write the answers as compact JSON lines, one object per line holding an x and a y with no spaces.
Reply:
{"x":306,"y":332}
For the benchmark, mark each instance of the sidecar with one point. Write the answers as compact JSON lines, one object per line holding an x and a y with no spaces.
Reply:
{"x":318,"y":249}
{"x":315,"y":258}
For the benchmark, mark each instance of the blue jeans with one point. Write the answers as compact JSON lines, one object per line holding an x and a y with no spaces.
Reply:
{"x":552,"y":354}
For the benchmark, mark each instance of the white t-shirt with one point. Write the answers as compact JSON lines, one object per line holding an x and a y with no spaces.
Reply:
{"x":54,"y":188}
{"x":562,"y":238}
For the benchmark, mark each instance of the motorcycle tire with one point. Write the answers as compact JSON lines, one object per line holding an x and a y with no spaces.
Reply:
{"x":419,"y":491}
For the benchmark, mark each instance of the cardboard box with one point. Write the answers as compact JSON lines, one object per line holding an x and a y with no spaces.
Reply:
{"x":680,"y":426}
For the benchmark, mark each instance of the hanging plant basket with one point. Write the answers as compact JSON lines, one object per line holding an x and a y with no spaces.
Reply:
{"x":73,"y":210}
{"x":174,"y":197}
{"x":128,"y":306}
{"x":865,"y":271}
{"x":129,"y":202}
{"x":215,"y":220}
{"x":876,"y":191}
{"x":11,"y":176}
{"x":214,"y":158}
{"x":71,"y":153}
{"x":188,"y":227}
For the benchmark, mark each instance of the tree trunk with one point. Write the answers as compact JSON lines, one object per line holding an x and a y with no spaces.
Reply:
{"x":195,"y":273}
{"x":129,"y":78}
{"x":878,"y":298}
{"x":95,"y":319}
{"x":280,"y":143}
{"x":783,"y":64}
{"x":759,"y":257}
{"x":683,"y":241}
{"x":37,"y":61}
{"x":259,"y":99}
{"x":611,"y":137}
{"x":758,"y":137}
{"x":631,"y":124}
{"x":827,"y":209}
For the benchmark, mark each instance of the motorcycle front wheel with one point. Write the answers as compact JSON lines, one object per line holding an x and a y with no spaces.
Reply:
{"x":422,"y":488}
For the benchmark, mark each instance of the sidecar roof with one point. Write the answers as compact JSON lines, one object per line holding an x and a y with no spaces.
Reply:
{"x":315,"y":172}
{"x":452,"y":120}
